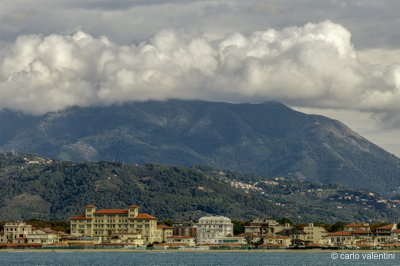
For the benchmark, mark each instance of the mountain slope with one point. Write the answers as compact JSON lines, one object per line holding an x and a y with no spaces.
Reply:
{"x":267,"y":139}
{"x":33,"y":187}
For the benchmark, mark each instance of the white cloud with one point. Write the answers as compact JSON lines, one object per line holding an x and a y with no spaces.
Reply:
{"x":312,"y":66}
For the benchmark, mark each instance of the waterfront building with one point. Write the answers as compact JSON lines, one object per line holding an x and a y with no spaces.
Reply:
{"x":297,"y":237}
{"x":261,"y":227}
{"x":14,"y":231}
{"x":340,"y":238}
{"x":104,"y":223}
{"x":166,"y":231}
{"x":355,"y":226}
{"x":384,"y":233}
{"x":315,"y":234}
{"x":210,"y":228}
{"x":187,"y":240}
{"x":228,"y":240}
{"x":184,"y":228}
{"x":395,"y":235}
{"x":131,"y":239}
{"x":273,"y":229}
{"x":40,"y":236}
{"x":277,"y":241}
{"x":22,"y":233}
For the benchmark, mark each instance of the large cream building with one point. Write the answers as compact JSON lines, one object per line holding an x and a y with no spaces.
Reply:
{"x":108,"y":222}
{"x":315,"y":234}
{"x":211,"y":228}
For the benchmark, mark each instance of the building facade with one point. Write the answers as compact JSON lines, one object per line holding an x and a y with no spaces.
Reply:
{"x":210,"y":228}
{"x":315,"y":234}
{"x":107,"y":222}
{"x":15,"y":231}
{"x":185,"y":228}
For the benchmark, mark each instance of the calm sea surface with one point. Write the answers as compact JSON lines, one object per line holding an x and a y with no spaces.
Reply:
{"x":175,"y":258}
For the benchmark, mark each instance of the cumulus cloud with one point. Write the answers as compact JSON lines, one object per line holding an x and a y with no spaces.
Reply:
{"x":314,"y":65}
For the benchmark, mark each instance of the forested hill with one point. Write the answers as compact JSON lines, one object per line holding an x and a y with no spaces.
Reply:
{"x":34,"y":187}
{"x":266,"y":139}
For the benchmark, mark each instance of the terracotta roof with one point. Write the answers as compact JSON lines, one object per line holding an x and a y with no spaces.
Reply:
{"x":340,"y":233}
{"x":145,"y":216}
{"x":90,"y":206}
{"x":133,"y":206}
{"x":396,"y":231}
{"x":79,"y":217}
{"x":361,"y":231}
{"x":163,"y":226}
{"x":111,"y":211}
{"x":357,"y":225}
{"x":389,"y":226}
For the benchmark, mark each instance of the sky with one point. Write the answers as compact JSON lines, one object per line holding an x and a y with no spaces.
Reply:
{"x":339,"y":58}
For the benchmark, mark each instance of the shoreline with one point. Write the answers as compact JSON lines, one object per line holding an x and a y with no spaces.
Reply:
{"x":205,"y":251}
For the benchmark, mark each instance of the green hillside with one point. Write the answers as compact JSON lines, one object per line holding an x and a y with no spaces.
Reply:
{"x":35,"y":188}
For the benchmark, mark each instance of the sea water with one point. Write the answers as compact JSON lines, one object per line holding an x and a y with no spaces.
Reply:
{"x":193,"y":258}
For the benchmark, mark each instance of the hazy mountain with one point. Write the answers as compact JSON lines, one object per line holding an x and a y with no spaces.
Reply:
{"x":33,"y":187}
{"x":267,"y":139}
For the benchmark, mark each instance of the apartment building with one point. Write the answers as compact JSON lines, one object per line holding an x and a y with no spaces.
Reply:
{"x":107,"y":222}
{"x":210,"y":228}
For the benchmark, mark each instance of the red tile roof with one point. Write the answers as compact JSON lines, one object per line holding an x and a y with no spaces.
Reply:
{"x":357,"y":225}
{"x":111,"y":211}
{"x":90,"y":206}
{"x":340,"y":233}
{"x":389,"y":226}
{"x":361,"y":231}
{"x":163,"y":226}
{"x":133,"y":206}
{"x":79,"y":217}
{"x":145,"y":216}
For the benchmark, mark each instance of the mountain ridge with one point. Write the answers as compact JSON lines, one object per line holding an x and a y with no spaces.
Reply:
{"x":268,"y":139}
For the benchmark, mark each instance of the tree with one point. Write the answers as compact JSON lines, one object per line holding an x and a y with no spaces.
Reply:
{"x":167,"y":222}
{"x":284,"y":221}
{"x":338,"y":226}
